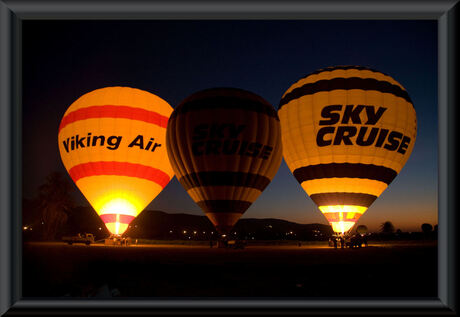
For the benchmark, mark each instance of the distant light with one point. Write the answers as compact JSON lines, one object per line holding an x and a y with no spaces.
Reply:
{"x":194,"y":232}
{"x":185,"y":231}
{"x":43,"y":223}
{"x":170,"y":231}
{"x":25,"y":228}
{"x":290,"y":232}
{"x":234,"y":232}
{"x":100,"y":228}
{"x":224,"y":235}
{"x":135,"y":226}
{"x":212,"y":232}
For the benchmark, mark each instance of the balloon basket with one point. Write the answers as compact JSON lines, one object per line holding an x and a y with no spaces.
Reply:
{"x":114,"y":240}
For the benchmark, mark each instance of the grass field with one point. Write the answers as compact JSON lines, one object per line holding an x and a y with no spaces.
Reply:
{"x":403,"y":269}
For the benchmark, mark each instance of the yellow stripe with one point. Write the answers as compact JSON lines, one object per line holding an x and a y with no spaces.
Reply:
{"x":129,"y":130}
{"x":223,"y":193}
{"x":344,"y":185}
{"x":299,"y":127}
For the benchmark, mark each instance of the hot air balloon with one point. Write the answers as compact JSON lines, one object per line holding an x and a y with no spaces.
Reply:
{"x":112,"y":143}
{"x":347,"y":132}
{"x":224,"y":145}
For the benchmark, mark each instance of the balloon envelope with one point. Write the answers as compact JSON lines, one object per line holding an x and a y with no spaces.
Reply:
{"x":347,"y":132}
{"x":224,"y":145}
{"x":111,"y":142}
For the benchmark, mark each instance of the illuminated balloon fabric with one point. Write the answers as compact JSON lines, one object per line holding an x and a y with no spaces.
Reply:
{"x":111,"y":142}
{"x":224,"y":145}
{"x":347,"y":132}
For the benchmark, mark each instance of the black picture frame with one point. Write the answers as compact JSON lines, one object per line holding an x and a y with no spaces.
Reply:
{"x":13,"y":12}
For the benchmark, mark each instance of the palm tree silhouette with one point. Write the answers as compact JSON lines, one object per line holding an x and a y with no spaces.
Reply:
{"x":55,"y":202}
{"x":387,"y":227}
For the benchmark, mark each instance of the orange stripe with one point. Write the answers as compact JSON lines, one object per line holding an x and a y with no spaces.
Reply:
{"x":335,"y":216}
{"x":120,"y":169}
{"x":107,"y":111}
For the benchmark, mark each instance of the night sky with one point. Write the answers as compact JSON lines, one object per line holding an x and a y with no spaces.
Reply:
{"x":63,"y":60}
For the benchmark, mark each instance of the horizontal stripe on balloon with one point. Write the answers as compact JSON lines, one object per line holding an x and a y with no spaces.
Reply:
{"x":345,"y":216}
{"x":219,"y":178}
{"x":121,"y":169}
{"x":352,"y":199}
{"x":224,"y":206}
{"x":344,"y":185}
{"x":108,"y":111}
{"x":327,"y":85}
{"x":347,"y":67}
{"x":223,"y":192}
{"x":225,"y":102}
{"x":353,"y":170}
{"x":108,"y":218}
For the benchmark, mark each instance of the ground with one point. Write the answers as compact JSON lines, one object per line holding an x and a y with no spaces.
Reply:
{"x":311,"y":270}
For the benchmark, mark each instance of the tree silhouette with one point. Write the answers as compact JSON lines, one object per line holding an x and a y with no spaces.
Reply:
{"x":387,"y":227}
{"x":361,"y":229}
{"x":427,"y":228}
{"x":55,"y":202}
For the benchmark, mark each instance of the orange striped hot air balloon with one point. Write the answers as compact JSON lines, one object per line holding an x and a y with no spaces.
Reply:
{"x":224,"y":145}
{"x":347,"y":132}
{"x":112,"y":143}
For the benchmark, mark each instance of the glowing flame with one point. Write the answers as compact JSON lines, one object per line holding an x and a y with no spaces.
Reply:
{"x":342,"y":217}
{"x":117,"y":213}
{"x":118,"y":206}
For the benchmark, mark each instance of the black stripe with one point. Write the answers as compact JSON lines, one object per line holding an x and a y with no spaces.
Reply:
{"x":344,"y":67}
{"x":356,"y":170}
{"x":332,"y":199}
{"x":223,"y":206}
{"x":347,"y":84}
{"x":224,"y":179}
{"x":225,"y":98}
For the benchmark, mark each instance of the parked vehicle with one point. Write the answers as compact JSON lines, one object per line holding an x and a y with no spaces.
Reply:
{"x":86,"y":238}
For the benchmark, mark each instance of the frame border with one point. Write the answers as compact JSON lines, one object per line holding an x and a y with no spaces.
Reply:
{"x":13,"y":12}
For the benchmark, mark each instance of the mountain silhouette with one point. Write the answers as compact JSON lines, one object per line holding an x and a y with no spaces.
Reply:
{"x":156,"y":224}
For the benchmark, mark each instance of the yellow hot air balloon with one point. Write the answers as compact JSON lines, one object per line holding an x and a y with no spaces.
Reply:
{"x":224,"y":145}
{"x":347,"y":132}
{"x":112,"y":143}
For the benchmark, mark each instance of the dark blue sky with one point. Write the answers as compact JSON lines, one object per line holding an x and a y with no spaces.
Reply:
{"x":63,"y":60}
